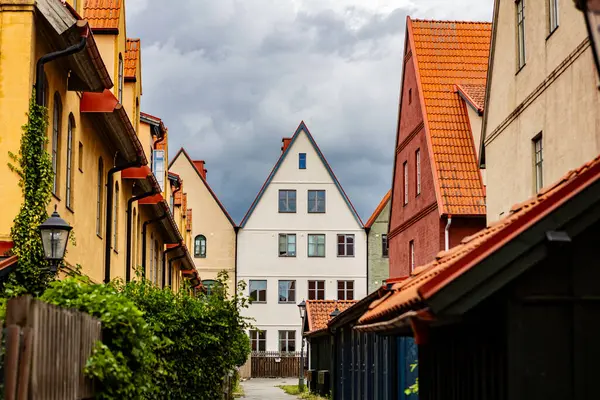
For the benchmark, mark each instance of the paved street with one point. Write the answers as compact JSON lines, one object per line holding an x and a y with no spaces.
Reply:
{"x":259,"y":389}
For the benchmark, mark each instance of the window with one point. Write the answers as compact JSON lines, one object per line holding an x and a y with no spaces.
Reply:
{"x":56,"y":122}
{"x":258,"y":340}
{"x":316,"y":201}
{"x":287,"y":201}
{"x":158,"y":167}
{"x":539,"y":162}
{"x":287,"y":245}
{"x":258,"y":291}
{"x":316,"y":245}
{"x":418,"y":164}
{"x":345,"y":290}
{"x":69,"y":194}
{"x":405,"y":183}
{"x":384,"y":246}
{"x":521,"y":33}
{"x":120,"y":84}
{"x":80,"y":155}
{"x":116,"y":217}
{"x":287,"y":341}
{"x":302,"y":160}
{"x":200,"y":246}
{"x":100,"y":197}
{"x":409,"y":96}
{"x":209,"y":284}
{"x":287,"y":291}
{"x":345,"y":245}
{"x":316,"y":290}
{"x":553,"y":14}
{"x":411,"y":255}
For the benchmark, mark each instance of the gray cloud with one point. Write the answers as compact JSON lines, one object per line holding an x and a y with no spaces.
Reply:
{"x":231,"y":78}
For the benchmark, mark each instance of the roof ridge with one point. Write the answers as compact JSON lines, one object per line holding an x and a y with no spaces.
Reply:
{"x":451,"y":21}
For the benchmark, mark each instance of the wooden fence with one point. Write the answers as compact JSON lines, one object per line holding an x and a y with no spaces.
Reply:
{"x":273,"y":364}
{"x":46,"y":350}
{"x":245,"y":371}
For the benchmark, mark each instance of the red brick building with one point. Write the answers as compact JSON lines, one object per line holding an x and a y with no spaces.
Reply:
{"x":437,"y":184}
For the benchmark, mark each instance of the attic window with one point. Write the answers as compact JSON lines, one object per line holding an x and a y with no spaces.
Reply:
{"x":302,"y":160}
{"x":409,"y":96}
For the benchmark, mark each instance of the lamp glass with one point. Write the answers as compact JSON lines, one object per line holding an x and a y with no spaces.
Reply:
{"x":302,"y":308}
{"x":55,"y":243}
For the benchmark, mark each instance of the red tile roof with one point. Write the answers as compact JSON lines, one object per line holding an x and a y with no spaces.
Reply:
{"x":103,"y":14}
{"x":429,"y":279}
{"x":475,"y":94}
{"x":379,"y":209}
{"x":449,"y":53}
{"x":132,"y":57}
{"x":317,"y":312}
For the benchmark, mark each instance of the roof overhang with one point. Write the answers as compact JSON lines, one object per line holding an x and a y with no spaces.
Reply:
{"x":110,"y":115}
{"x":144,"y":178}
{"x":157,"y":207}
{"x":158,"y":127}
{"x":62,"y":27}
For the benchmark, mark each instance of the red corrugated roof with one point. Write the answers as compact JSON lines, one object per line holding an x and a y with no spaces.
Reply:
{"x":132,"y":54}
{"x":379,"y":209}
{"x":103,"y":14}
{"x":318,"y":312}
{"x":449,"y":53}
{"x":427,"y":280}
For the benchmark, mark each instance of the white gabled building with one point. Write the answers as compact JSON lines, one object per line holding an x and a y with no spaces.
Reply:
{"x":300,"y":239}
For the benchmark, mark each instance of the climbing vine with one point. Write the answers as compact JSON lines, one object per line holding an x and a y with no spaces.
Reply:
{"x":34,"y":167}
{"x":414,"y":388}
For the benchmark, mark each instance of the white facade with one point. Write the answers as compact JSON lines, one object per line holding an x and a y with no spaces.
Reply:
{"x":258,"y":240}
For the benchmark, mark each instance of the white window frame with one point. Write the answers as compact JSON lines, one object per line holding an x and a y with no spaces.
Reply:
{"x":521,"y":51}
{"x":405,"y":167}
{"x":345,"y":290}
{"x":316,"y":245}
{"x":538,"y":159}
{"x":255,"y":337}
{"x":418,"y":168}
{"x":286,"y":251}
{"x":346,"y":245}
{"x":288,"y":289}
{"x":286,"y":337}
{"x":553,"y":15}
{"x":411,"y":246}
{"x":316,"y":290}
{"x":158,"y":167}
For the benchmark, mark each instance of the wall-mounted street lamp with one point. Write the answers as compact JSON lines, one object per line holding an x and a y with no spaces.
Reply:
{"x":55,"y":236}
{"x":302,"y":309}
{"x":591,"y":11}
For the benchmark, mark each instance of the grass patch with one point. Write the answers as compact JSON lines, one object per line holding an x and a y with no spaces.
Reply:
{"x":293,"y":390}
{"x":238,"y":390}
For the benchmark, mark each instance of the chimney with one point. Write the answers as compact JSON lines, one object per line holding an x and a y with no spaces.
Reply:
{"x":286,"y":144}
{"x":200,"y":167}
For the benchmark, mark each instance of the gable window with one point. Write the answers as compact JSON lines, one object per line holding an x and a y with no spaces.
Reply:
{"x":411,"y":255}
{"x":287,"y":245}
{"x":345,"y":290}
{"x":316,"y":290}
{"x":316,"y":201}
{"x":302,"y":160}
{"x":520,"y":33}
{"x":56,"y":125}
{"x":69,"y":194}
{"x":159,"y":167}
{"x":287,"y":341}
{"x":116,"y":217}
{"x":120,"y":79}
{"x":258,"y":340}
{"x":418,"y":168}
{"x":345,"y":245}
{"x":200,"y":246}
{"x":539,"y":162}
{"x":553,"y":15}
{"x":384,"y":246}
{"x":100,"y":197}
{"x":287,"y":201}
{"x":316,"y":245}
{"x":405,"y":168}
{"x":287,"y":291}
{"x":258,"y":291}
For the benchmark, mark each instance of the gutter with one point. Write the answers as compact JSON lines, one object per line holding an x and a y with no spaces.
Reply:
{"x":129,"y":222}
{"x":447,"y":233}
{"x":171,"y":270}
{"x":164,"y":260}
{"x":144,"y":227}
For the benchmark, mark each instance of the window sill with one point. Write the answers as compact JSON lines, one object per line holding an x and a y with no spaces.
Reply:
{"x":521,"y":69}
{"x":258,"y":302}
{"x":70,"y":209}
{"x":345,"y":256}
{"x":99,"y":237}
{"x":287,"y":212}
{"x":316,"y":256}
{"x":552,"y":32}
{"x":280,"y":256}
{"x":80,"y":170}
{"x":56,"y":196}
{"x":317,"y":212}
{"x":286,"y":302}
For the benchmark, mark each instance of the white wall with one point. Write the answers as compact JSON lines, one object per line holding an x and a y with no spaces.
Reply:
{"x":258,"y":256}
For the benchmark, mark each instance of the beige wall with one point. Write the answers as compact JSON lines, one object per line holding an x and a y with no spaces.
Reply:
{"x":555,"y":93}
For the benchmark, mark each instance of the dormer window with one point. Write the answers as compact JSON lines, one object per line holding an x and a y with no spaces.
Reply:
{"x":302,"y":161}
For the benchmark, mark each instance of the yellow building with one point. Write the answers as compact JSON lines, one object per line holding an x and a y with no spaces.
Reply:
{"x":541,"y":116}
{"x":109,"y":165}
{"x":213,"y":230}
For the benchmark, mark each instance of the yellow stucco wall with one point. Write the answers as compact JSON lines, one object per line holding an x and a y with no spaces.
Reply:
{"x":564,"y":109}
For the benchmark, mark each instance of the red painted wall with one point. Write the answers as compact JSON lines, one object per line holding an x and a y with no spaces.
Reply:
{"x":459,"y":229}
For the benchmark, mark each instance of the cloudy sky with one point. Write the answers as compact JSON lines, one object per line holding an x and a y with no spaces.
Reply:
{"x":230,"y":78}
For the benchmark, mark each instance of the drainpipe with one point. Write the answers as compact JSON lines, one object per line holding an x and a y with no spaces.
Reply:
{"x":129,"y":222}
{"x":171,"y":270}
{"x":447,"y":233}
{"x":164,"y":259}
{"x":109,"y":206}
{"x":144,"y":226}
{"x":367,"y":230}
{"x":46,"y":58}
{"x":236,"y":230}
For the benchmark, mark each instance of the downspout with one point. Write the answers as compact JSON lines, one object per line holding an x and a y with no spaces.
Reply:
{"x":164,"y":259}
{"x":236,"y":229}
{"x":447,"y":232}
{"x":46,"y":58}
{"x":171,"y":270}
{"x":129,"y":222}
{"x":144,"y":226}
{"x":109,"y":206}
{"x":367,"y":230}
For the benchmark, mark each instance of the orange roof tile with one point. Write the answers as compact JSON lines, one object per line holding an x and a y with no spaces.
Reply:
{"x":379,"y":209}
{"x":429,"y":279}
{"x":475,"y":94}
{"x":451,"y":53}
{"x":317,"y":312}
{"x":103,"y":14}
{"x":132,"y":54}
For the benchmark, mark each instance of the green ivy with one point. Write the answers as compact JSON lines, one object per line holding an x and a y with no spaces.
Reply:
{"x":414,"y":388}
{"x":33,"y":165}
